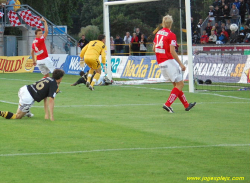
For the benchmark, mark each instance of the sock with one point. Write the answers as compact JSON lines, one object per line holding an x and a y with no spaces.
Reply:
{"x":91,"y":71}
{"x":96,"y":77}
{"x":173,"y":95}
{"x":7,"y":115}
{"x":183,"y":99}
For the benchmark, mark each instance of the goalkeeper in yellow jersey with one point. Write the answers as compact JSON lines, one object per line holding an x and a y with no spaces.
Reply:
{"x":91,"y":53}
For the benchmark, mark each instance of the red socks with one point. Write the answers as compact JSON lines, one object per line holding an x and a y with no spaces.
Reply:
{"x":183,"y":99}
{"x":174,"y":94}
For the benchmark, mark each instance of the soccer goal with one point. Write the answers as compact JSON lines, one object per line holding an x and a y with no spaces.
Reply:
{"x":163,"y":4}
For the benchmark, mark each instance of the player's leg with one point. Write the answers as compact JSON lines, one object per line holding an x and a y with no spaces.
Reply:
{"x":90,"y":74}
{"x":49,"y":64}
{"x":8,"y":115}
{"x":98,"y":71}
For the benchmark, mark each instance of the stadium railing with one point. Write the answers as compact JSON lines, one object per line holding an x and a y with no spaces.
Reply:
{"x":55,"y":30}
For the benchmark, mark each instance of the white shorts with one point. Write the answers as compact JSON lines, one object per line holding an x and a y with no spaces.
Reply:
{"x":25,"y":99}
{"x":45,"y":66}
{"x":171,"y":71}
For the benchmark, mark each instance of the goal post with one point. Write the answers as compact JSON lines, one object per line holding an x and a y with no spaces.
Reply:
{"x":106,"y":5}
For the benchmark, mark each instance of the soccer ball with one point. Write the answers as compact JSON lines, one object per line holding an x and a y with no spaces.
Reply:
{"x":233,"y":27}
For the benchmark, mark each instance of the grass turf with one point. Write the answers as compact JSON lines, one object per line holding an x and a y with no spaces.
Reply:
{"x":121,"y":134}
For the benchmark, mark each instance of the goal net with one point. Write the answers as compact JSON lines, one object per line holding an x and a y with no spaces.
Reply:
{"x":222,"y":67}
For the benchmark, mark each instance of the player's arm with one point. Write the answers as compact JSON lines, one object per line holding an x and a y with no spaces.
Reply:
{"x":51,"y":108}
{"x":175,"y":55}
{"x":83,"y":53}
{"x":154,"y":47}
{"x":46,"y":29}
{"x":103,"y":54}
{"x":46,"y":109}
{"x":33,"y":57}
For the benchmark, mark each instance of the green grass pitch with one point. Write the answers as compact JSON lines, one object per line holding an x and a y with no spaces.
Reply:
{"x":121,"y":134}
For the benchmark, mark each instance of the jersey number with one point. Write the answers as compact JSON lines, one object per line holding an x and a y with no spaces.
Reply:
{"x":94,"y":44}
{"x":40,"y":85}
{"x":159,"y":43}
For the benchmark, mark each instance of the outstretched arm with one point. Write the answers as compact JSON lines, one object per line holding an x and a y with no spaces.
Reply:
{"x":46,"y":29}
{"x":33,"y":57}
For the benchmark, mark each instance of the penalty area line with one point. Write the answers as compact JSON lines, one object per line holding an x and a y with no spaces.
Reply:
{"x":125,"y":149}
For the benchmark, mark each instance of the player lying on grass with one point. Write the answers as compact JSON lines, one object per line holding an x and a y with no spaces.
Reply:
{"x":45,"y":89}
{"x":91,"y":53}
{"x":103,"y":80}
{"x":170,"y":64}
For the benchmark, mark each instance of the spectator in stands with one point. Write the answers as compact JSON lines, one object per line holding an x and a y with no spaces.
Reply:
{"x":234,"y":13}
{"x":17,"y":5}
{"x":10,"y":4}
{"x":204,"y":38}
{"x":216,"y":3}
{"x":192,"y":25}
{"x":217,"y":27}
{"x":214,"y":29}
{"x":226,"y":12}
{"x":223,"y":30}
{"x":212,"y":38}
{"x":221,"y":39}
{"x":242,"y":10}
{"x":208,"y":29}
{"x":228,"y":23}
{"x":118,"y":44}
{"x":112,"y":45}
{"x":236,"y":3}
{"x":211,"y":14}
{"x":248,"y":21}
{"x":196,"y":37}
{"x":246,"y":29}
{"x":217,"y":14}
{"x":138,"y":33}
{"x":67,"y":46}
{"x":143,"y":46}
{"x":241,"y":36}
{"x":247,"y":38}
{"x":233,"y":37}
{"x":82,"y":42}
{"x":223,"y":3}
{"x":127,"y":40}
{"x":223,"y":25}
{"x":198,"y":27}
{"x":135,"y":45}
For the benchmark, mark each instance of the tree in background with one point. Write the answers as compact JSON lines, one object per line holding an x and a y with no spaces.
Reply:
{"x":91,"y":32}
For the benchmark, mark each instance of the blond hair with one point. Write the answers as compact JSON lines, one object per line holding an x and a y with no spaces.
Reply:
{"x":167,"y":21}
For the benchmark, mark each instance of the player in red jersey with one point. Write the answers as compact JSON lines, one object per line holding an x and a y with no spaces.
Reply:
{"x":43,"y":62}
{"x":170,"y":64}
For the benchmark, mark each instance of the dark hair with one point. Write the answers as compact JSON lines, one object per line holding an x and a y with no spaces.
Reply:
{"x":83,"y":35}
{"x":101,"y":37}
{"x":57,"y":74}
{"x":38,"y":30}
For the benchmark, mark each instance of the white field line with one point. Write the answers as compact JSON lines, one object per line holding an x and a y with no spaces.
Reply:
{"x":210,"y":93}
{"x":160,"y":89}
{"x":126,"y":149}
{"x":30,"y":81}
{"x":122,"y":105}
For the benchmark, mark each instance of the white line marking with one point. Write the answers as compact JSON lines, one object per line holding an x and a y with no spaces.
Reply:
{"x":219,"y":95}
{"x":121,"y":105}
{"x":31,"y":81}
{"x":226,"y":96}
{"x":126,"y":149}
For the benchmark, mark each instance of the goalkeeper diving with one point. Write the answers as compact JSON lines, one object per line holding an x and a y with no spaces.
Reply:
{"x":91,"y":53}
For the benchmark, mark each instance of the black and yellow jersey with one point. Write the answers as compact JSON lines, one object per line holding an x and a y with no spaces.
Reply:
{"x":46,"y":87}
{"x":93,"y":50}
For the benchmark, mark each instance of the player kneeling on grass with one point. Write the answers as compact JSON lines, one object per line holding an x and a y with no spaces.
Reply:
{"x":103,"y":80}
{"x":91,"y":53}
{"x":45,"y":89}
{"x":170,"y":64}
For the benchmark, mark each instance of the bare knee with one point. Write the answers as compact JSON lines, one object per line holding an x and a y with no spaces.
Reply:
{"x":98,"y":71}
{"x":180,"y":85}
